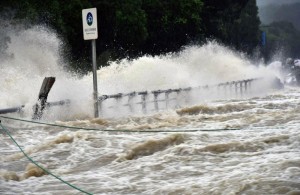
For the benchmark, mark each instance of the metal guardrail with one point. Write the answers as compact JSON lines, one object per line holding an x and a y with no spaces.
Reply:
{"x":47,"y":105}
{"x":10,"y":110}
{"x":240,"y":87}
{"x":42,"y":100}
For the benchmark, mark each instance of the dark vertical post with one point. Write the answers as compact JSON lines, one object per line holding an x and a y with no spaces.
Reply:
{"x":241,"y":87}
{"x":130,"y":97}
{"x":178,"y":91}
{"x":187,"y":94}
{"x":249,"y":85}
{"x":144,"y":108}
{"x":225,"y":89}
{"x":167,"y":98}
{"x":155,"y":100}
{"x":236,"y":88}
{"x":96,"y":111}
{"x":100,"y":100}
{"x":118,"y":100}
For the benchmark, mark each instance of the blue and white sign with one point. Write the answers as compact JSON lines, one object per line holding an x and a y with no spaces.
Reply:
{"x":89,"y":18}
{"x":89,"y":23}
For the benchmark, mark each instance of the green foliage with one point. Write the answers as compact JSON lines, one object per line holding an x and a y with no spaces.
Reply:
{"x":172,"y":24}
{"x":135,"y":27}
{"x":233,"y":22}
{"x":131,"y":21}
{"x":70,"y":25}
{"x":218,"y":17}
{"x":282,"y":36}
{"x":246,"y":29}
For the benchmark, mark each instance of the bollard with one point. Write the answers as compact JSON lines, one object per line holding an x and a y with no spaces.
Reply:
{"x":42,"y":98}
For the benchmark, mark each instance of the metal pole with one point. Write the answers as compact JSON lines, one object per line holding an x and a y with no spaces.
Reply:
{"x":95,"y":79}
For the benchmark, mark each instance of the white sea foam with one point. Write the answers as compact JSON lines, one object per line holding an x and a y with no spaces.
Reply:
{"x":36,"y":53}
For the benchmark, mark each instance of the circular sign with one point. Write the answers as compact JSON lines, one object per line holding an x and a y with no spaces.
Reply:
{"x":89,"y":19}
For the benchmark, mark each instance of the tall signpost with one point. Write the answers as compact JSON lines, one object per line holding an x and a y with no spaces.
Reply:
{"x":90,"y":32}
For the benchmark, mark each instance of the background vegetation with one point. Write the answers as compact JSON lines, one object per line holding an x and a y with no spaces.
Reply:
{"x":136,"y":27}
{"x":282,"y":26}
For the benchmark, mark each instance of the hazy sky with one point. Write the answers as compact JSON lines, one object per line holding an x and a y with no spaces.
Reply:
{"x":269,"y":14}
{"x":267,"y":2}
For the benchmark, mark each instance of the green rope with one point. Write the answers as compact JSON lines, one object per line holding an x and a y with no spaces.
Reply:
{"x":45,"y":170}
{"x":118,"y":130}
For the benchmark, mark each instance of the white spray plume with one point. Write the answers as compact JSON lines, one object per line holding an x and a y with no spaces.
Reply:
{"x":35,"y":54}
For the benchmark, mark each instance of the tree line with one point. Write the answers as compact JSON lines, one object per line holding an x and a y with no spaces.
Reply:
{"x":282,"y":26}
{"x":137,"y":27}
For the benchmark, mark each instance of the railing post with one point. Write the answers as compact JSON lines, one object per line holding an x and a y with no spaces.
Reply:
{"x":231,"y":93}
{"x":178,"y":91}
{"x":155,"y":100}
{"x":118,"y":100}
{"x":225,"y":88}
{"x":167,"y":98}
{"x":236,"y":88}
{"x":144,"y":103}
{"x":241,"y":87}
{"x":130,"y":97}
{"x":249,"y":85}
{"x":143,"y":98}
{"x":187,"y":94}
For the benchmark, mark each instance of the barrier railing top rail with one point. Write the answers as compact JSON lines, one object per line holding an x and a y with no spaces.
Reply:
{"x":49,"y":81}
{"x":156,"y":92}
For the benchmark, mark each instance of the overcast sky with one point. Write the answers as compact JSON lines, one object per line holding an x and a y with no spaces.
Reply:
{"x":269,"y":14}
{"x":267,"y":2}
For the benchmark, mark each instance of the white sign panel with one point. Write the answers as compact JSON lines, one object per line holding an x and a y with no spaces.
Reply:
{"x":89,"y":22}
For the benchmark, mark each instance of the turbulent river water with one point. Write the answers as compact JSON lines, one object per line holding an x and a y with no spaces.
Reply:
{"x":245,"y":144}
